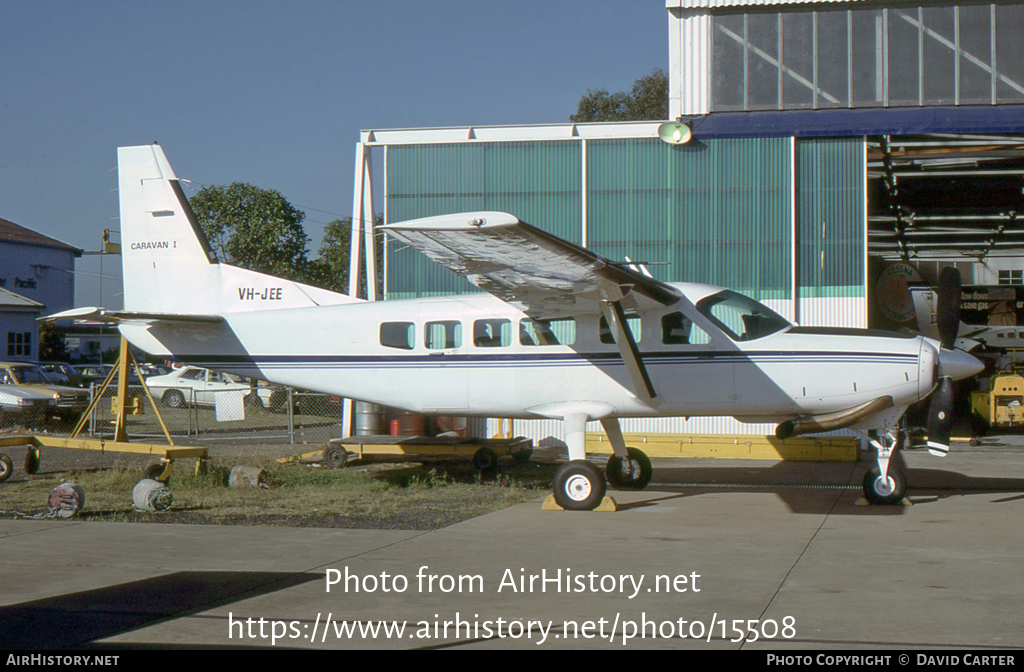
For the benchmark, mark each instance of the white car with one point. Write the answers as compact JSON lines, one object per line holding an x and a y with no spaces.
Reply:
{"x":24,"y":406}
{"x":193,"y":385}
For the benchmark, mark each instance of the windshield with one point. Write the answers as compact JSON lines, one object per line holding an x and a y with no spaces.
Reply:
{"x":28,"y":374}
{"x":740,"y":317}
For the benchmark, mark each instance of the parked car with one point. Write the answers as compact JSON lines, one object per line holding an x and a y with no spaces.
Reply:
{"x":71,"y":401}
{"x":24,"y":406}
{"x":97,"y":373}
{"x":61,"y":373}
{"x":93,"y":373}
{"x":191,"y":384}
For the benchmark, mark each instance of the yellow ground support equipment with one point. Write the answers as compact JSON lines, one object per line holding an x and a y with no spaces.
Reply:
{"x":484,"y":452}
{"x":122,"y":406}
{"x":1002,"y":404}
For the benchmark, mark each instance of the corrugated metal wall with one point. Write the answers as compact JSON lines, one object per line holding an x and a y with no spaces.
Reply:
{"x":831,"y":231}
{"x":718,"y":211}
{"x":721,"y":211}
{"x":539,"y":182}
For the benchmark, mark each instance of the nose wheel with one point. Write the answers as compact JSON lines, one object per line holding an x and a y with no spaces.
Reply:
{"x":883,"y":483}
{"x":889,"y":489}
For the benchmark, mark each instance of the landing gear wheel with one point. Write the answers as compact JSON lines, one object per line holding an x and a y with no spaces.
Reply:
{"x":633,"y":473}
{"x":889,"y":491}
{"x":522,"y":456}
{"x":579,"y":486}
{"x":335,"y":457}
{"x":6,"y":467}
{"x":174,"y":399}
{"x":486,"y":461}
{"x":31,"y":461}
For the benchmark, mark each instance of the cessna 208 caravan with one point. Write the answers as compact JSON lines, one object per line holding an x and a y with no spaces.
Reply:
{"x":561,"y":333}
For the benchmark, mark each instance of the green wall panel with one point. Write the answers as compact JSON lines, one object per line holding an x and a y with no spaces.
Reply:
{"x":539,"y":182}
{"x":831,"y":225}
{"x":717,"y":211}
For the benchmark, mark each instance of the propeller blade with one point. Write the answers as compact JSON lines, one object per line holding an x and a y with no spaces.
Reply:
{"x":940,"y":418}
{"x":948,"y":308}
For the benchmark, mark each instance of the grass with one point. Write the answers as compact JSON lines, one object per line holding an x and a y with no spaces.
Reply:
{"x":402,"y":496}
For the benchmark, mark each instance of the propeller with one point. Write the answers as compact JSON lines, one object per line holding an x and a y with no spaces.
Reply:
{"x":940,"y":408}
{"x":948,"y":306}
{"x":940,"y":418}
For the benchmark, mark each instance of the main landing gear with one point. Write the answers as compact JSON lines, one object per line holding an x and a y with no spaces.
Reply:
{"x":580,"y":486}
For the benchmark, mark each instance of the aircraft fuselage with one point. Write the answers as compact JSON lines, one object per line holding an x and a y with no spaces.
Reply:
{"x":476,"y":355}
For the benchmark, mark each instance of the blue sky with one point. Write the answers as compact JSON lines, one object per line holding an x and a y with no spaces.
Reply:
{"x":275,"y":93}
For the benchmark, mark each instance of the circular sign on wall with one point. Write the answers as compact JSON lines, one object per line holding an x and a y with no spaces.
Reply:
{"x":892,"y":293}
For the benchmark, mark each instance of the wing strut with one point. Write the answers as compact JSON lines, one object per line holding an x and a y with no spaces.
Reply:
{"x":642,"y":385}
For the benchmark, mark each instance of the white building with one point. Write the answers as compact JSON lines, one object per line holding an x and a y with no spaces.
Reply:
{"x":37,"y":277}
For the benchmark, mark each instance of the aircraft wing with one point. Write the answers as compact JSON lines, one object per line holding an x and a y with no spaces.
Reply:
{"x":121,"y":317}
{"x":537,"y":272}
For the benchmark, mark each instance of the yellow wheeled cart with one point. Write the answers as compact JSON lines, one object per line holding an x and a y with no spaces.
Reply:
{"x":484,"y":453}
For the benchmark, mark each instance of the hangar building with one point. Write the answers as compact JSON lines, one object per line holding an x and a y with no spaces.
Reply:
{"x":831,"y":140}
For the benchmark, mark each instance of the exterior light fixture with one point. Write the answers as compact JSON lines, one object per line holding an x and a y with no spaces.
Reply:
{"x":675,"y":132}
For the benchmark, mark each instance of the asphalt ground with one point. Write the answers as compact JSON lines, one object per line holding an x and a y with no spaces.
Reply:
{"x":712,"y":555}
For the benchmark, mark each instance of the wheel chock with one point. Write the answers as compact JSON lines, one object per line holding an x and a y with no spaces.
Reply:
{"x":607,"y":504}
{"x":862,"y":501}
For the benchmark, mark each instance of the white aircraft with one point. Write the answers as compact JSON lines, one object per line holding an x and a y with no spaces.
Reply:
{"x":562,"y":333}
{"x":1001,"y":342}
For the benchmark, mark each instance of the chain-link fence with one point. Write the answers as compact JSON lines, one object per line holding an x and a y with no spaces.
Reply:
{"x":266,"y":412}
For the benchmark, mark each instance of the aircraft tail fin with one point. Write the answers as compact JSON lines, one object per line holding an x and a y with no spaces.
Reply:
{"x":168,"y":264}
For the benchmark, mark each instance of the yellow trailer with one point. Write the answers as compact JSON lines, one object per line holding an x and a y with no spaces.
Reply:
{"x":1002,"y":404}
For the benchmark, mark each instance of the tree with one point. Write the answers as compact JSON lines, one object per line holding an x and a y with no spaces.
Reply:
{"x":648,"y":100}
{"x":253,"y":228}
{"x":52,"y":347}
{"x":330,"y":269}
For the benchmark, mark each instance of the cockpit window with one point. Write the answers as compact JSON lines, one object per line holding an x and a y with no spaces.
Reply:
{"x":740,"y":317}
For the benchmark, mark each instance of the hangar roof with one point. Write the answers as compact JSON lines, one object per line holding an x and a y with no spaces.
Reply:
{"x":945,"y":195}
{"x":718,"y":4}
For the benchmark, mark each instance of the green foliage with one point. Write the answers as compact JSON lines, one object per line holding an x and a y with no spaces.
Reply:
{"x":51,"y":343}
{"x":647,"y":101}
{"x":330,"y":269}
{"x":253,"y":228}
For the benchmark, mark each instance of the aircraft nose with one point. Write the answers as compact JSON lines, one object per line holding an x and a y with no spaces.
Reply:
{"x":958,"y":364}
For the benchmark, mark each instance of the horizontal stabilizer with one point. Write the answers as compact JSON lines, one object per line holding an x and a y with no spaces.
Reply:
{"x":120,"y":317}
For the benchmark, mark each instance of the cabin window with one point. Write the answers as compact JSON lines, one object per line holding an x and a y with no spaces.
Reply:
{"x":401,"y":335}
{"x":677,"y":329}
{"x":632,"y":321}
{"x":443,"y":335}
{"x":561,"y":331}
{"x":494,"y":333}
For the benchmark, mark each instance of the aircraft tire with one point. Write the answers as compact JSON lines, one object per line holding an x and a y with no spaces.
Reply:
{"x":579,"y":486}
{"x":639,"y":473}
{"x":876,"y":493}
{"x":486,"y":461}
{"x":6,"y":467}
